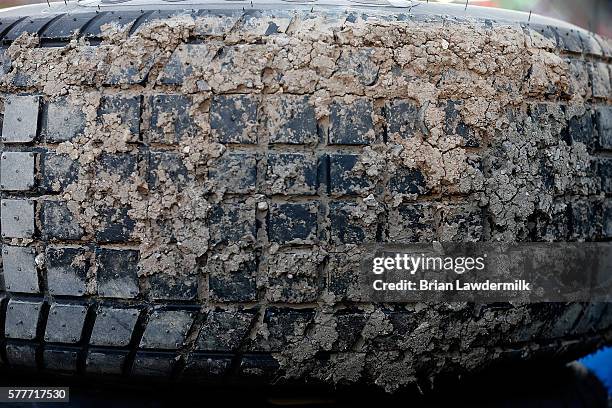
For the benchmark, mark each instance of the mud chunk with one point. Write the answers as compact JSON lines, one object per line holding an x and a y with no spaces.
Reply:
{"x":294,"y":277}
{"x":165,"y":287}
{"x":233,"y":119}
{"x":455,"y":125}
{"x":412,"y":223}
{"x":167,"y":166}
{"x":357,"y":63}
{"x":117,"y":225}
{"x":166,"y":329}
{"x":345,"y":275}
{"x":67,"y":270}
{"x":600,"y":76}
{"x":225,"y":330}
{"x":291,"y":173}
{"x":59,"y":223}
{"x":403,"y":322}
{"x":346,"y":226}
{"x":231,"y":222}
{"x":408,"y":181}
{"x":58,"y":171}
{"x":290,"y":119}
{"x":402,"y":117}
{"x":345,"y":178}
{"x":235,"y":172}
{"x":463,"y":222}
{"x":117,"y":272}
{"x":351,"y":123}
{"x":125,"y":110}
{"x":235,"y":282}
{"x":603,"y":120}
{"x":170,"y":120}
{"x":63,"y":121}
{"x":293,"y":222}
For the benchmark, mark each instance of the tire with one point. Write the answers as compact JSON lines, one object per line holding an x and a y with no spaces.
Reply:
{"x":187,"y":195}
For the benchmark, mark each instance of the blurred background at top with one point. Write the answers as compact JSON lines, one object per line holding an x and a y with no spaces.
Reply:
{"x":594,"y":15}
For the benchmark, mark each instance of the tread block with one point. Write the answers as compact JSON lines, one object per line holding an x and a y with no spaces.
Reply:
{"x":187,"y":60}
{"x":153,"y":364}
{"x":585,"y":220}
{"x":22,"y":319}
{"x":117,"y":272}
{"x":408,"y":181}
{"x":291,"y":173}
{"x":58,"y":171}
{"x":166,"y":329}
{"x":600,"y":77}
{"x":580,"y":130}
{"x":351,"y":123}
{"x":346,"y":229}
{"x":122,"y":165}
{"x":605,"y":174}
{"x":28,"y":25}
{"x":569,"y":40}
{"x":402,"y":117}
{"x":170,"y":120}
{"x":205,"y":365}
{"x":124,"y":18}
{"x":293,"y":222}
{"x":358,"y":64}
{"x":117,"y":225}
{"x":461,"y":223}
{"x":167,"y":167}
{"x":20,"y":123}
{"x":17,"y":171}
{"x":19,"y":268}
{"x":230,"y":222}
{"x":235,"y":172}
{"x":233,"y":119}
{"x":235,"y":285}
{"x":58,"y":222}
{"x":258,"y":366}
{"x":607,"y":219}
{"x":17,"y":218}
{"x":225,"y":330}
{"x":21,"y":355}
{"x":184,"y":287}
{"x":454,"y":124}
{"x":5,"y":63}
{"x":291,"y":119}
{"x":126,"y":109}
{"x":67,"y":26}
{"x":101,"y":361}
{"x":349,"y":325}
{"x":603,"y":121}
{"x":64,"y":121}
{"x":590,"y":45}
{"x":284,"y":324}
{"x":579,"y":77}
{"x":65,"y":323}
{"x":63,"y":359}
{"x":412,"y":223}
{"x":67,"y":270}
{"x":294,"y":277}
{"x":347,"y":175}
{"x":113,"y":326}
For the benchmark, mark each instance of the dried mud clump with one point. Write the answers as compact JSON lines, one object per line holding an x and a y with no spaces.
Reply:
{"x":252,"y":164}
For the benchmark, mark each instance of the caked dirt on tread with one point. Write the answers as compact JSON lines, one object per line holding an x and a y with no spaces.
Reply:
{"x":450,"y":105}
